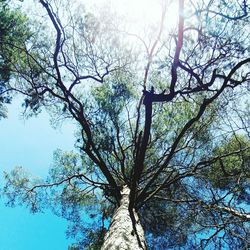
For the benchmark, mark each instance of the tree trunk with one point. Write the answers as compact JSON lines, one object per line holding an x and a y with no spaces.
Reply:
{"x":125,"y":231}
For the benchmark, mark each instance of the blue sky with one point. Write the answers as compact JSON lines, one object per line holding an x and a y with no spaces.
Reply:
{"x":31,"y":143}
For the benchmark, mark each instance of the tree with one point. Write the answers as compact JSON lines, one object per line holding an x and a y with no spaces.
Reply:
{"x":13,"y":33}
{"x":170,"y":162}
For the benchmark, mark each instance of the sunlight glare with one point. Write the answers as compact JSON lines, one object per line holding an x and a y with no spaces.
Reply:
{"x":142,"y":13}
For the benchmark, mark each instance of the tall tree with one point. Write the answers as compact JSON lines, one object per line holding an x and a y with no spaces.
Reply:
{"x":163,"y":125}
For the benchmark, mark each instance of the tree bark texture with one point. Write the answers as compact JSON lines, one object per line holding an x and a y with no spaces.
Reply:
{"x":125,"y":231}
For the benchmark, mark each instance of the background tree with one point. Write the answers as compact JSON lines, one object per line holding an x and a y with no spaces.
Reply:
{"x":172,"y":159}
{"x":13,"y":34}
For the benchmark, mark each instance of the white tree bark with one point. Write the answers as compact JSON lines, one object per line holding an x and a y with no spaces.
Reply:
{"x":121,"y":234}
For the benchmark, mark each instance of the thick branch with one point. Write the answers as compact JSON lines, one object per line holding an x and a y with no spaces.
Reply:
{"x":178,"y":47}
{"x":142,"y":147}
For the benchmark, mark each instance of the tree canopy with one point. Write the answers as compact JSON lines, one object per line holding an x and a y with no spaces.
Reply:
{"x":161,"y":110}
{"x":13,"y":34}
